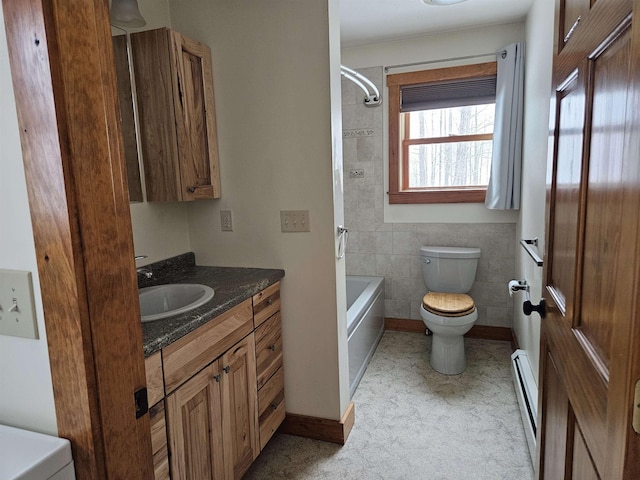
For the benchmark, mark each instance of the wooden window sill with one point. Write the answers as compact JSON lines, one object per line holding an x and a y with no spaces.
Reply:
{"x":438,"y":196}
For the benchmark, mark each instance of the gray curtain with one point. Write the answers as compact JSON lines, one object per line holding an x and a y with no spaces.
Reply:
{"x":503,"y":192}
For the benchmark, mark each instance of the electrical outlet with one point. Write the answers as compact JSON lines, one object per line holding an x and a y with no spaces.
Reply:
{"x":226,"y":225}
{"x":294,"y":221}
{"x":356,"y":173}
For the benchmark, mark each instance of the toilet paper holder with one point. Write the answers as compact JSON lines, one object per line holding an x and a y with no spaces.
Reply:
{"x":519,"y":286}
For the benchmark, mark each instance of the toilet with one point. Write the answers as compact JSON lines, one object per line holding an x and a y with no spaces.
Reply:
{"x":446,"y":310}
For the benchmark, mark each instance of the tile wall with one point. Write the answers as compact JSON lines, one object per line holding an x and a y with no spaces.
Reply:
{"x":392,"y":250}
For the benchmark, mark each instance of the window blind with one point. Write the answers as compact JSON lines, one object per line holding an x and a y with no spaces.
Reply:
{"x":453,"y":93}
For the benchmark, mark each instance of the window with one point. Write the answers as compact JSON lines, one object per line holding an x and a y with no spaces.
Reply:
{"x":441,"y":134}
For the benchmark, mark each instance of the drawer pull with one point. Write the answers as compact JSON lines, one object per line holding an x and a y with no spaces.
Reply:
{"x":272,"y":348}
{"x":270,"y":301}
{"x":274,"y":406}
{"x":226,"y":369}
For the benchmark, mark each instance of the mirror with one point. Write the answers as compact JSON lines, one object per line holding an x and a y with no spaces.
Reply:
{"x":127,"y":122}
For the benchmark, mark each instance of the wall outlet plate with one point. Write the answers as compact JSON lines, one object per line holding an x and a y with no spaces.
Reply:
{"x":292,"y":221}
{"x":17,"y":307}
{"x":226,"y":224}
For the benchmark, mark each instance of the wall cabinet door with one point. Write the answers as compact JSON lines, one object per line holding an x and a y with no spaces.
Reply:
{"x":174,"y":82}
{"x":240,"y":407}
{"x":195,"y":428}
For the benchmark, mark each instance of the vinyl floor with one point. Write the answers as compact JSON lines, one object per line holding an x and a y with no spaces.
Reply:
{"x":414,"y":423}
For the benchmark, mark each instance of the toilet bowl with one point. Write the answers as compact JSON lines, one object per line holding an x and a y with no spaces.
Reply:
{"x":449,"y":272}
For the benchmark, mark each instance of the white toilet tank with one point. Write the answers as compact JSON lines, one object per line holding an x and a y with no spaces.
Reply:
{"x":449,"y":269}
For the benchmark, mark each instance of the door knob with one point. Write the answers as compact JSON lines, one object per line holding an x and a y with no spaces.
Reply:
{"x":528,"y":308}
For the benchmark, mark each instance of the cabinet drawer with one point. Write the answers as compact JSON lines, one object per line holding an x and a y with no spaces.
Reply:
{"x":271,"y":407}
{"x":159,"y":442}
{"x":188,"y":355}
{"x":155,"y":382}
{"x":266,"y":303}
{"x":268,"y":349}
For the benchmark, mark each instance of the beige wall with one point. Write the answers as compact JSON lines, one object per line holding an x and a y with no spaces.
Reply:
{"x":275,"y":75}
{"x":539,"y":31}
{"x":26,"y":398}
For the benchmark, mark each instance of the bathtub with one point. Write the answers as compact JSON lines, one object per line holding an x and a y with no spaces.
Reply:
{"x":365,"y":323}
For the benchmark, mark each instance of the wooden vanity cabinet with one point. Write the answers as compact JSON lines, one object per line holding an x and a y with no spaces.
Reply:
{"x":224,"y":389}
{"x":174,"y":82}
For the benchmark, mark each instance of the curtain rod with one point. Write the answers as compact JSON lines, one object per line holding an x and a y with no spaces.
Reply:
{"x":503,"y":53}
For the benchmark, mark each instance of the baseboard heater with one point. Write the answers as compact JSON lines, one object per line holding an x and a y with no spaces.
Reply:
{"x":527,"y":394}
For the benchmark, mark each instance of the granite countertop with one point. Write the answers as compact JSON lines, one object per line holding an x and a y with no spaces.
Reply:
{"x":232,"y":286}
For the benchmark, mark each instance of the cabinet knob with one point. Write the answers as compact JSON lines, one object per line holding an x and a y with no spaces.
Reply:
{"x":226,"y":369}
{"x":274,"y":406}
{"x":270,"y":301}
{"x":216,"y":377}
{"x":272,"y":348}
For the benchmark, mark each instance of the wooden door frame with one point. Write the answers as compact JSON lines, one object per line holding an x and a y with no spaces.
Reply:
{"x":63,"y":74}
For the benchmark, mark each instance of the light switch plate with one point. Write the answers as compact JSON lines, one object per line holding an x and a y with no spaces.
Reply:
{"x":295,"y":221}
{"x":17,"y":308}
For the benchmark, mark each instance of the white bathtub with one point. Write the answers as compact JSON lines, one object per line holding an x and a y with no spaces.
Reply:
{"x":365,"y":323}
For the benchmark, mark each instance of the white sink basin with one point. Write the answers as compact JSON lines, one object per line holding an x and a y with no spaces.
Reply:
{"x":164,"y":301}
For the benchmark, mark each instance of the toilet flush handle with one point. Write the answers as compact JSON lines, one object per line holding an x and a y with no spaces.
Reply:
{"x":426,"y":260}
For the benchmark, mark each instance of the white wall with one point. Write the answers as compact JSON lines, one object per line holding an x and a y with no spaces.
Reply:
{"x":539,"y":31}
{"x":430,"y":48}
{"x":275,"y":79}
{"x":26,"y":398}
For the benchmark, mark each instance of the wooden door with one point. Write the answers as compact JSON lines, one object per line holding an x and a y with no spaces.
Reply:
{"x":195,"y":427}
{"x":195,"y":118}
{"x":589,"y":338}
{"x":240,"y":407}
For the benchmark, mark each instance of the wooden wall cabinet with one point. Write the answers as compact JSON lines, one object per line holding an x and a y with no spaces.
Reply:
{"x":224,"y":388}
{"x":175,"y":100}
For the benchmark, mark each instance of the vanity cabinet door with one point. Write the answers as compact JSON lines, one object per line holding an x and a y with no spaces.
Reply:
{"x":174,"y":81}
{"x":239,"y":407}
{"x":195,"y":427}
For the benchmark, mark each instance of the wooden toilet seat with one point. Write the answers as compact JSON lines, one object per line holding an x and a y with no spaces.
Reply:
{"x":448,"y":304}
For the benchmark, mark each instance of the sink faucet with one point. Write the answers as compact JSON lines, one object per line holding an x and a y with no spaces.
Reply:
{"x":143,"y":270}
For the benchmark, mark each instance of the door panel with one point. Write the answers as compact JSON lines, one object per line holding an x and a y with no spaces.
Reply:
{"x":582,"y":468}
{"x":604,"y":200}
{"x":195,"y":428}
{"x":566,"y":199}
{"x":558,"y":422}
{"x":240,"y":407}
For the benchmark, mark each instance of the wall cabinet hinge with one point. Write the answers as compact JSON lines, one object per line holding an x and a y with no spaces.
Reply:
{"x":636,"y":408}
{"x":142,"y":402}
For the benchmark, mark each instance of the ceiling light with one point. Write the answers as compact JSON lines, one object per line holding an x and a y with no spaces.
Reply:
{"x":125,"y":13}
{"x":442,"y":2}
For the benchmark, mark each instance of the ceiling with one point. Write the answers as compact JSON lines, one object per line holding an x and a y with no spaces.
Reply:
{"x":371,"y":21}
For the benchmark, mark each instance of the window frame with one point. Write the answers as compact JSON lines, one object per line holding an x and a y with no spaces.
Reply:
{"x":398,"y":144}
